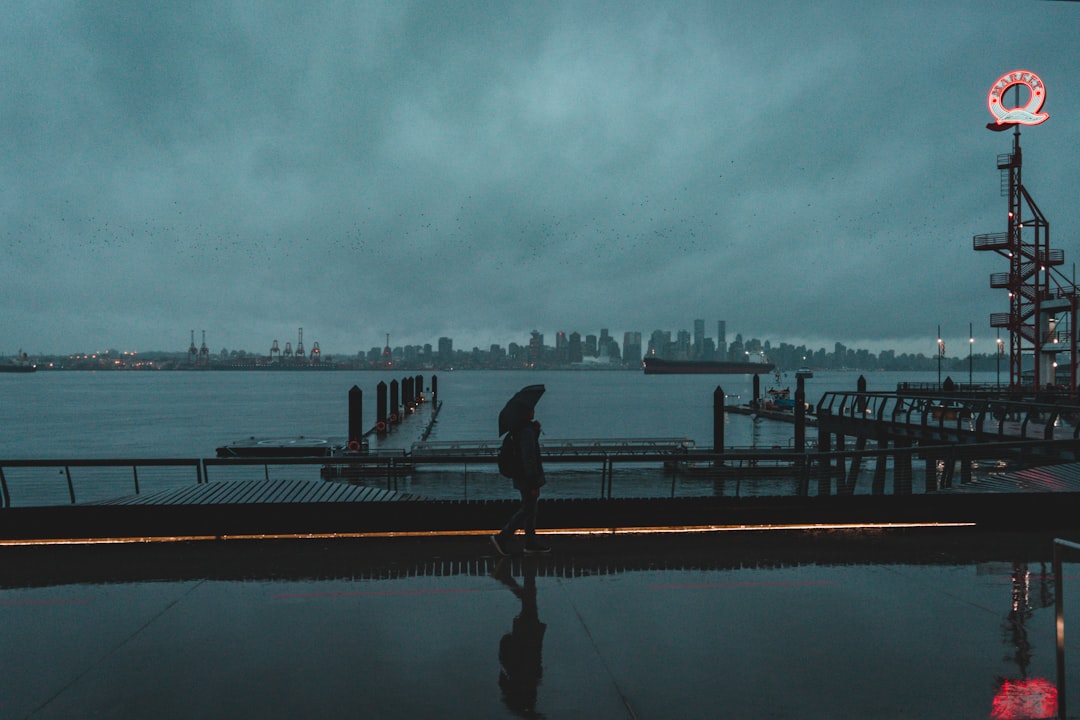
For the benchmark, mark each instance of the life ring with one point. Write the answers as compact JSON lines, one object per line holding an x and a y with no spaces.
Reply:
{"x":354,"y":445}
{"x":380,"y":426}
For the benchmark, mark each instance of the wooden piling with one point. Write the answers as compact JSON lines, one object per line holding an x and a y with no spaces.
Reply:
{"x":356,"y":415}
{"x":380,"y":407}
{"x":718,"y":420}
{"x":800,"y":413}
{"x":394,"y":407}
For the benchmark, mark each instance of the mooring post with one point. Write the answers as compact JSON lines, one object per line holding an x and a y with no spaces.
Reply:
{"x":718,"y":420}
{"x":356,"y":416}
{"x":394,"y":405}
{"x":800,"y":413}
{"x":757,"y":391}
{"x":406,"y":393}
{"x":434,"y":388}
{"x":418,"y":389}
{"x":380,"y":407}
{"x":902,"y":467}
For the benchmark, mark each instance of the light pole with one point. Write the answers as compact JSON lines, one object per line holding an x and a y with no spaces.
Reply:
{"x":940,"y":353}
{"x":971,"y":343}
{"x":1000,"y":352}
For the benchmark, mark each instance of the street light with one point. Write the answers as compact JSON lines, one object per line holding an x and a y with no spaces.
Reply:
{"x":971,"y":343}
{"x":1000,"y":352}
{"x":940,"y":353}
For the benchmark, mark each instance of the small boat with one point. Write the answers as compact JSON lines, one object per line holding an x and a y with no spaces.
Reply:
{"x":779,"y":400}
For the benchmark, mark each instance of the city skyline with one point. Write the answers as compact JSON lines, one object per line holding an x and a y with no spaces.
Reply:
{"x":601,"y":346}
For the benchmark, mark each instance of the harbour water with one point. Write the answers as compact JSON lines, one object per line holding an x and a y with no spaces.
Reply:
{"x":64,"y":415}
{"x":189,"y":414}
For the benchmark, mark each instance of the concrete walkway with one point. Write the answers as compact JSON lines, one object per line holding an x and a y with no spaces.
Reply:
{"x":942,"y":624}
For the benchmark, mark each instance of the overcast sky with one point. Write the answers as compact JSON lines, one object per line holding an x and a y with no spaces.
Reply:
{"x":807,"y":171}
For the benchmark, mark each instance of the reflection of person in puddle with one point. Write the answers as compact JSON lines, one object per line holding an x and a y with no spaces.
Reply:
{"x":520,"y":649}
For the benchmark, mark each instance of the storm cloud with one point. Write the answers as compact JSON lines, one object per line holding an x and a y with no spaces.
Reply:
{"x":808,"y":172}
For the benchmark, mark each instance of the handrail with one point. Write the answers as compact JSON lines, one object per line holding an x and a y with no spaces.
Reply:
{"x":397,"y":465}
{"x":955,"y":408}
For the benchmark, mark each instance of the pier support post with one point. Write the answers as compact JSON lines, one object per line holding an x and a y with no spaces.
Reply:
{"x":877,"y":486}
{"x":855,"y":468}
{"x":356,"y":415}
{"x":800,"y":414}
{"x":380,"y":407}
{"x":931,"y":473}
{"x":755,"y":402}
{"x":418,"y":389}
{"x":902,"y":467}
{"x":434,"y":388}
{"x":718,"y":420}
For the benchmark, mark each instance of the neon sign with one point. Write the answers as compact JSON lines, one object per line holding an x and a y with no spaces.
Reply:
{"x":1026,"y":115}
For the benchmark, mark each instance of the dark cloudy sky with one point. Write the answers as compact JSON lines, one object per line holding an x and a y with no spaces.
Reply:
{"x":807,"y":171}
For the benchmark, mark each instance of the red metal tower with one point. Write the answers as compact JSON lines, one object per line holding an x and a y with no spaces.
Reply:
{"x":1038,"y":293}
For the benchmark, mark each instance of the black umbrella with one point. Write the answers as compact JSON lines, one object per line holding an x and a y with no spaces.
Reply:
{"x":519,"y":409}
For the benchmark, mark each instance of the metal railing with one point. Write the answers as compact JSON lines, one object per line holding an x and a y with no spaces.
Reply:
{"x":980,"y":417}
{"x":838,"y":471}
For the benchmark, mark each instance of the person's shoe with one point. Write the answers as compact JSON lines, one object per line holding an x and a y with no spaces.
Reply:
{"x":498,"y":543}
{"x":537,"y":549}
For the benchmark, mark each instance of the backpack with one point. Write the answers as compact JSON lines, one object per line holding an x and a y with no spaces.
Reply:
{"x":510,"y":464}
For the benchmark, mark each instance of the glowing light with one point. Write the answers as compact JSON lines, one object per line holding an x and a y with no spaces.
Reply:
{"x":1025,"y":700}
{"x":629,"y":530}
{"x":1028,"y":114}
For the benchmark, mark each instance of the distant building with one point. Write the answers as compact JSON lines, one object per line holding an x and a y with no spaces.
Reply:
{"x":446,"y":351}
{"x":632,"y":348}
{"x":575,"y":348}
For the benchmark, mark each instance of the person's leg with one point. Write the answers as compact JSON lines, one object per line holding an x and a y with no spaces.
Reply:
{"x":531,"y":506}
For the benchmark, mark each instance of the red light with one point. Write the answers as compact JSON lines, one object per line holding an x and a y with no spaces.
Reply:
{"x":1034,"y":699}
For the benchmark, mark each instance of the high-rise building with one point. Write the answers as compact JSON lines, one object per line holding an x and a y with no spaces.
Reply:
{"x":699,"y":339}
{"x":536,"y":347}
{"x":562,"y":349}
{"x":446,"y":351}
{"x":682,"y":345}
{"x":575,"y":347}
{"x":632,"y":348}
{"x":590,"y":346}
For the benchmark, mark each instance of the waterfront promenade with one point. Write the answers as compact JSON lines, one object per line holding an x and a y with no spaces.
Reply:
{"x":867,"y":624}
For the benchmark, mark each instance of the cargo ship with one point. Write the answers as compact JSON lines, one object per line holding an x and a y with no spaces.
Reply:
{"x":658,"y":366}
{"x":21,"y":364}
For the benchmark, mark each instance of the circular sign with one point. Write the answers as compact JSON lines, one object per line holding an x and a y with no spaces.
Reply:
{"x":1022,"y":115}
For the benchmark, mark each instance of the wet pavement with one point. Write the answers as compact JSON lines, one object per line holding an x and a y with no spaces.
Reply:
{"x":944,"y":624}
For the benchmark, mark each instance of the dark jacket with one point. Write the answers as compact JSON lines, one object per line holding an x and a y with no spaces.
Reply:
{"x":528,"y":440}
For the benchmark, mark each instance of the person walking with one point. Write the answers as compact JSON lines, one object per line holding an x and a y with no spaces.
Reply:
{"x":518,"y":419}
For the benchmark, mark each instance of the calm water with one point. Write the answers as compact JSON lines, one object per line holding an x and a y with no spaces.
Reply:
{"x":54,"y":415}
{"x":189,"y":414}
